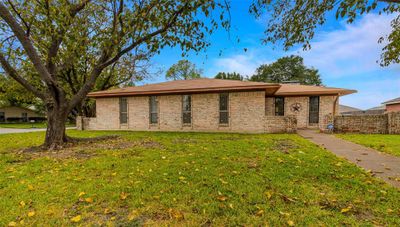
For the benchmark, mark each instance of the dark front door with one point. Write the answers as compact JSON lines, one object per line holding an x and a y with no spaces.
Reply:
{"x":314,"y":110}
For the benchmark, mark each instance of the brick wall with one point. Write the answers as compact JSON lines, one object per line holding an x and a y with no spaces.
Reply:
{"x":371,"y":124}
{"x":248,"y":112}
{"x":327,"y":106}
{"x":393,"y":107}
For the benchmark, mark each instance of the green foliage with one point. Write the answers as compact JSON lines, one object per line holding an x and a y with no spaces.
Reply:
{"x":287,"y":69}
{"x":88,"y":45}
{"x":229,"y":76}
{"x":295,"y":22}
{"x":386,"y":143}
{"x":13,"y":94}
{"x":183,"y":70}
{"x":188,"y":179}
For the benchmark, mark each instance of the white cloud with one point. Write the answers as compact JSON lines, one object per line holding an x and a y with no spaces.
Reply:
{"x":244,"y":64}
{"x":351,"y":50}
{"x":372,"y":93}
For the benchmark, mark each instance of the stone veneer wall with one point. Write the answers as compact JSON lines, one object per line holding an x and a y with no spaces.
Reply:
{"x":280,"y":124}
{"x":371,"y":124}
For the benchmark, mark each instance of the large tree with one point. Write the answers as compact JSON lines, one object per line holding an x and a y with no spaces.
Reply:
{"x":287,"y":69}
{"x":47,"y":36}
{"x":294,"y":22}
{"x":183,"y":70}
{"x":229,"y":76}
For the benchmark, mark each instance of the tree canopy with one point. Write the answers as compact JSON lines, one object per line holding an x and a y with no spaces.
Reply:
{"x":43,"y":42}
{"x":295,"y":22}
{"x":183,"y":70}
{"x":229,"y":76}
{"x":287,"y":69}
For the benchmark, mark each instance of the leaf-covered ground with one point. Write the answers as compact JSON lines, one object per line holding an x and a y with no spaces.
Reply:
{"x":188,"y":179}
{"x":385,"y":143}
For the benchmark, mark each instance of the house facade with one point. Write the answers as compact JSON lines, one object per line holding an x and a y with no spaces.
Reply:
{"x":214,"y":105}
{"x":17,"y":114}
{"x":392,"y":105}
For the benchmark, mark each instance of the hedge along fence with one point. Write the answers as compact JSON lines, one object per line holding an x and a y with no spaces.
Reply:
{"x":388,"y":123}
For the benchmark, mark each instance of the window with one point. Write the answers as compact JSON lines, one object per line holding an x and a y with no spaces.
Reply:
{"x":24,"y":117}
{"x":279,"y":106}
{"x":224,"y":108}
{"x":186,"y":109}
{"x":153,"y":110}
{"x":123,"y":110}
{"x":2,"y":117}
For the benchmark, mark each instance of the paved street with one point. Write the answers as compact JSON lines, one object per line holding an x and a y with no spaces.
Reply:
{"x":18,"y":130}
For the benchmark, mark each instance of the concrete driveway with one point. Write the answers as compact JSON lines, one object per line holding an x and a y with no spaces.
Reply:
{"x":384,"y":166}
{"x":20,"y":130}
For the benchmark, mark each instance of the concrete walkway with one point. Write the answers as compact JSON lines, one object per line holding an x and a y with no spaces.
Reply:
{"x":384,"y":166}
{"x":23,"y":130}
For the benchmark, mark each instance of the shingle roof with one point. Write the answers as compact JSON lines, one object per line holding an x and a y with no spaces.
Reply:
{"x":344,"y":108}
{"x":392,"y":101}
{"x":188,"y":86}
{"x":217,"y":85}
{"x":297,"y":89}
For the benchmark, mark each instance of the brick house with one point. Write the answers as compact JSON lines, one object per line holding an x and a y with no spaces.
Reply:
{"x":392,"y":105}
{"x":17,"y":114}
{"x":214,"y":105}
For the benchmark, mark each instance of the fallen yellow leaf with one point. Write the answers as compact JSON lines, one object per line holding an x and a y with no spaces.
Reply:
{"x":133,"y":215}
{"x":176,"y":214}
{"x":345,"y":210}
{"x":89,"y":200}
{"x":290,"y":223}
{"x":268,"y":194}
{"x":30,"y":187}
{"x":31,"y":213}
{"x":12,"y":224}
{"x":260,"y":213}
{"x":81,"y":194}
{"x":123,"y":195}
{"x":22,"y":203}
{"x":76,"y":218}
{"x":222,"y":198}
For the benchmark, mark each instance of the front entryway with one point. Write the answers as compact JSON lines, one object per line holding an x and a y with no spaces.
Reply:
{"x":313,"y":116}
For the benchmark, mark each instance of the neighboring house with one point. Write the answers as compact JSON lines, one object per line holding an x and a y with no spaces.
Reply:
{"x":348,"y":110}
{"x":215,"y":105}
{"x":392,"y":105}
{"x":375,"y":110}
{"x":18,"y":114}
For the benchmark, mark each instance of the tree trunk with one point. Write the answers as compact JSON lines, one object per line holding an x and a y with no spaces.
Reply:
{"x":55,"y":133}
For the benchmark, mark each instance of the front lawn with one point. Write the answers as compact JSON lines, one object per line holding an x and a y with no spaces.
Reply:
{"x":386,"y":143}
{"x":188,"y":179}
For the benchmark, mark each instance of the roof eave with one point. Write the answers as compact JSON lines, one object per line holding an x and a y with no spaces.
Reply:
{"x":183,"y":91}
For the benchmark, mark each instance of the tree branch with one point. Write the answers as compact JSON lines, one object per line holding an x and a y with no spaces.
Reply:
{"x":13,"y":74}
{"x":27,"y":44}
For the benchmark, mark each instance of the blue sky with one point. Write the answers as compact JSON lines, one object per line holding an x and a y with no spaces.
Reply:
{"x":345,"y":54}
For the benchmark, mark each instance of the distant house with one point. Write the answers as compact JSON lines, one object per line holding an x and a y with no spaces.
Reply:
{"x":19,"y":114}
{"x":348,"y":110}
{"x":215,"y":105}
{"x":392,"y":105}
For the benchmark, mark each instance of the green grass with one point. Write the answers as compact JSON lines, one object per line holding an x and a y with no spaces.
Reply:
{"x":27,"y":125}
{"x":188,"y":179}
{"x":385,"y":143}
